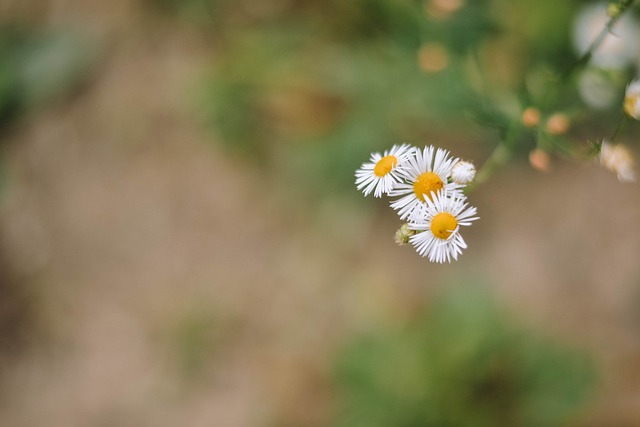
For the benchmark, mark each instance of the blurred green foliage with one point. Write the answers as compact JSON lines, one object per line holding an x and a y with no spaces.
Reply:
{"x":37,"y":68}
{"x":307,"y":89}
{"x":194,"y":339}
{"x":462,"y":363}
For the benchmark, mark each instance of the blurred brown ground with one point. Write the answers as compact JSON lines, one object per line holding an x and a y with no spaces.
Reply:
{"x":123,"y":223}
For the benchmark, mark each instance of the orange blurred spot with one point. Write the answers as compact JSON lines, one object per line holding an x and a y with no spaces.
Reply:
{"x":558,"y":124}
{"x":531,"y":117}
{"x":433,"y":57}
{"x":540,"y":160}
{"x":442,"y":9}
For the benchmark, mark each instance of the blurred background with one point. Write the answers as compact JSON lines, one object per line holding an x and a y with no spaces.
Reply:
{"x":182,"y":243}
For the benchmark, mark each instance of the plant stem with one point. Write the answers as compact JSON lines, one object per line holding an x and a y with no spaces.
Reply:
{"x":499,"y":156}
{"x":600,"y":38}
{"x":621,"y":125}
{"x":502,"y":151}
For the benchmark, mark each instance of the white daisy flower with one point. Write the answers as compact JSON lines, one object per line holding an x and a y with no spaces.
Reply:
{"x":424,"y":176}
{"x":632,"y":100}
{"x":617,"y":158}
{"x":382,"y":173}
{"x":438,"y":223}
{"x":463,"y":172}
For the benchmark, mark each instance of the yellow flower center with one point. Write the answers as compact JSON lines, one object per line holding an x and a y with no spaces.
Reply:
{"x":385,"y":165}
{"x":630,"y":105}
{"x":425,"y":184}
{"x":443,"y":224}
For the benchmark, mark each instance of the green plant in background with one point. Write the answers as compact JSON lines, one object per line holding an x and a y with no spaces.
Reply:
{"x":37,"y":68}
{"x":193,"y":339}
{"x":465,"y":363}
{"x":305,"y":89}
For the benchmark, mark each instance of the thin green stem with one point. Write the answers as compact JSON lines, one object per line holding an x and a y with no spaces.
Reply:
{"x":498,"y":157}
{"x":502,"y":151}
{"x":620,"y":126}
{"x":600,"y":38}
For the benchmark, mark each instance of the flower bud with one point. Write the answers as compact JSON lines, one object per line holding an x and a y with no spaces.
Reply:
{"x":433,"y":57}
{"x":613,"y":9}
{"x":403,"y":234}
{"x":617,"y":158}
{"x":463,"y":172}
{"x":531,"y":117}
{"x":539,"y":160}
{"x":558,"y":123}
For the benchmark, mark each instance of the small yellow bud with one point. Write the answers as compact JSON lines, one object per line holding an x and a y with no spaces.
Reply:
{"x":614,"y":8}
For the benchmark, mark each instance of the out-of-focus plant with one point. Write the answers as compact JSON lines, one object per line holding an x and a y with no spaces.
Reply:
{"x":307,"y":88}
{"x":463,"y":362}
{"x":193,"y":339}
{"x":37,"y":68}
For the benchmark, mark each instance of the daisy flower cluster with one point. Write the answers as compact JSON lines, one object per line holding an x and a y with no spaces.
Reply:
{"x":617,"y":157}
{"x":427,"y":191}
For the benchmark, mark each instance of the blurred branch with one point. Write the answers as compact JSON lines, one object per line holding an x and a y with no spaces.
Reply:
{"x":616,"y":10}
{"x":499,"y":156}
{"x":502,"y":152}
